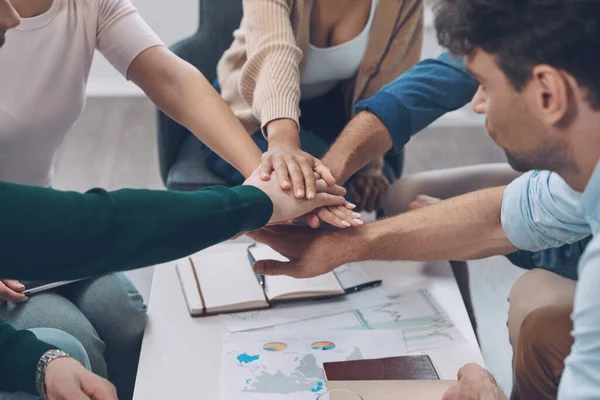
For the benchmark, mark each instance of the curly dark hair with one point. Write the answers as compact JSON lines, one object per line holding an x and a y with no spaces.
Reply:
{"x":521,"y":34}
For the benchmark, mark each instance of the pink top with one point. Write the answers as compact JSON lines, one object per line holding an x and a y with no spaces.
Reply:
{"x":44,"y":68}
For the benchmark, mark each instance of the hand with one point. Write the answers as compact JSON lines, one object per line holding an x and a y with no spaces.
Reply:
{"x":286,"y":207}
{"x":295,"y":169}
{"x":422,"y":201}
{"x":311,"y":253}
{"x":67,"y":379}
{"x":368,"y":187}
{"x":11,"y":290}
{"x":474,"y":383}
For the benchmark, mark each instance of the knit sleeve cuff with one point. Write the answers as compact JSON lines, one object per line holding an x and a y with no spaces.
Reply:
{"x":279,"y":108}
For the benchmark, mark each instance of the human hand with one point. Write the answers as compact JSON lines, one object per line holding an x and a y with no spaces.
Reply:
{"x":11,"y":290}
{"x":474,"y":383}
{"x":421,"y":201}
{"x":368,"y":187}
{"x":311,"y":252}
{"x":67,"y":379}
{"x":287,"y":208}
{"x":295,"y":169}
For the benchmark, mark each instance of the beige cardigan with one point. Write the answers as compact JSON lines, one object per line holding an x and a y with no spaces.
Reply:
{"x":260,"y":73}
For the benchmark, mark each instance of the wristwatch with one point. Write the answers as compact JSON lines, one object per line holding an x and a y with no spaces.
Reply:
{"x":40,"y":373}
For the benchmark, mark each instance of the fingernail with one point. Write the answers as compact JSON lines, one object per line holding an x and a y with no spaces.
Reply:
{"x":346,"y":224}
{"x":300,"y":192}
{"x":352,"y":206}
{"x":311,"y":194}
{"x":358,"y":221}
{"x":357,"y":215}
{"x":21,"y":286}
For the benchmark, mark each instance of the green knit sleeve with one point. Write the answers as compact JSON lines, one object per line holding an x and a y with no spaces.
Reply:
{"x":52,"y":235}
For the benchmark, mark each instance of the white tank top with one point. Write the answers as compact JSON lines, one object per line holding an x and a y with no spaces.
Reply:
{"x":326,"y":67}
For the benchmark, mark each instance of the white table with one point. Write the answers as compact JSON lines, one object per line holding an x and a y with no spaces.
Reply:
{"x":181,"y":356}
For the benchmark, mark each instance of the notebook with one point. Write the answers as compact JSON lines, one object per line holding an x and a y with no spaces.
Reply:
{"x":394,"y":390}
{"x":220,"y":279}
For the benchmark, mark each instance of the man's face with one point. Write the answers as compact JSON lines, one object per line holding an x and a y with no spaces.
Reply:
{"x":512,"y":118}
{"x":8,"y":19}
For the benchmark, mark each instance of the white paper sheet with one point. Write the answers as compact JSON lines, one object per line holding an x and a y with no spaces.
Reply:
{"x":274,"y":366}
{"x":299,"y":311}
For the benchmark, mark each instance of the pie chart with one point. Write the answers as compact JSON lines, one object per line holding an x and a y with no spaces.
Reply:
{"x":275,"y":346}
{"x":323,"y":345}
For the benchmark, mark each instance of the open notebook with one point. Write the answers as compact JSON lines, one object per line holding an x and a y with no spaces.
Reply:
{"x":220,"y":279}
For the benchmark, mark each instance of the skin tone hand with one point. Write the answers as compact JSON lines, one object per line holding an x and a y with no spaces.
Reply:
{"x":67,"y":379}
{"x":474,"y":383}
{"x":295,"y":169}
{"x":11,"y":290}
{"x":368,"y":187}
{"x":311,"y":253}
{"x":287,"y":208}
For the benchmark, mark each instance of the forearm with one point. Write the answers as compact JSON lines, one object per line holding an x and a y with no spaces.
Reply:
{"x":362,"y":141}
{"x":52,"y":235}
{"x":184,"y":94}
{"x":20,"y":352}
{"x":462,"y":228}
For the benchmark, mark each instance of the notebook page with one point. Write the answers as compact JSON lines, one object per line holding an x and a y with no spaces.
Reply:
{"x":280,"y":286}
{"x":226,"y":278}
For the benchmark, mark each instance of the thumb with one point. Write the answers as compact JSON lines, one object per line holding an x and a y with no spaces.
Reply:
{"x":328,"y":200}
{"x":274,"y":268}
{"x":98,"y":388}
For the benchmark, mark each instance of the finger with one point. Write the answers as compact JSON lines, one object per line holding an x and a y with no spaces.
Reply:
{"x":323,"y":187}
{"x":372,"y":198}
{"x":353,"y":218}
{"x":274,"y":268}
{"x":325,"y":172}
{"x":266,"y":167}
{"x":309,"y":178}
{"x":379,"y":199}
{"x":296,"y":176}
{"x":283,"y":176}
{"x":14,"y":285}
{"x":355,"y":196}
{"x":350,"y":206}
{"x":10,"y":295}
{"x":311,"y":219}
{"x":327,"y":216}
{"x":327,"y":200}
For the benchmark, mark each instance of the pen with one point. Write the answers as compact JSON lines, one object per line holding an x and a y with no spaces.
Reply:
{"x":260,"y":278}
{"x":367,"y":285}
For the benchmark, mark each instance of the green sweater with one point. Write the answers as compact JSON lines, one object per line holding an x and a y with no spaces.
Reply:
{"x":51,"y":235}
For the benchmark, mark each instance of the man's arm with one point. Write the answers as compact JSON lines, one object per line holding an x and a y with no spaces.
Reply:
{"x":402,"y":108}
{"x":536,"y":211}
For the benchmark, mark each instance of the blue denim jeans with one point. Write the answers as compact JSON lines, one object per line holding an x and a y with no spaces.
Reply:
{"x":107,"y":315}
{"x":62,"y":341}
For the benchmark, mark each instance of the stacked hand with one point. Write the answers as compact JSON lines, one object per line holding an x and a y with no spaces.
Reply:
{"x":67,"y":379}
{"x":311,"y":253}
{"x":300,"y":173}
{"x":474,"y":383}
{"x":369,"y":186}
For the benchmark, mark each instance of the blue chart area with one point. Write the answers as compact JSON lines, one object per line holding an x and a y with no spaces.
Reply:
{"x":247,"y":359}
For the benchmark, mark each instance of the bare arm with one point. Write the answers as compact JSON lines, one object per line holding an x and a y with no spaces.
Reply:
{"x":462,"y":228}
{"x":183,"y":93}
{"x":362,"y":141}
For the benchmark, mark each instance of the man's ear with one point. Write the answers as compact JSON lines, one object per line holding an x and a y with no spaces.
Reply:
{"x":552,"y":95}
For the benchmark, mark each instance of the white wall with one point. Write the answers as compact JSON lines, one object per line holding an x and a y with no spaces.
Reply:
{"x":172,"y":20}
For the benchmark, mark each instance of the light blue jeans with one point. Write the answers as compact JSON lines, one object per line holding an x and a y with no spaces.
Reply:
{"x":107,"y":315}
{"x":62,"y":341}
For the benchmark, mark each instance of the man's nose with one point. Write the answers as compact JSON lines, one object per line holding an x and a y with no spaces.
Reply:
{"x":479,"y":102}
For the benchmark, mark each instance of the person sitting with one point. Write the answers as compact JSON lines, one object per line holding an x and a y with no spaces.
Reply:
{"x":541,"y":96}
{"x":296,"y":69}
{"x":39,"y":105}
